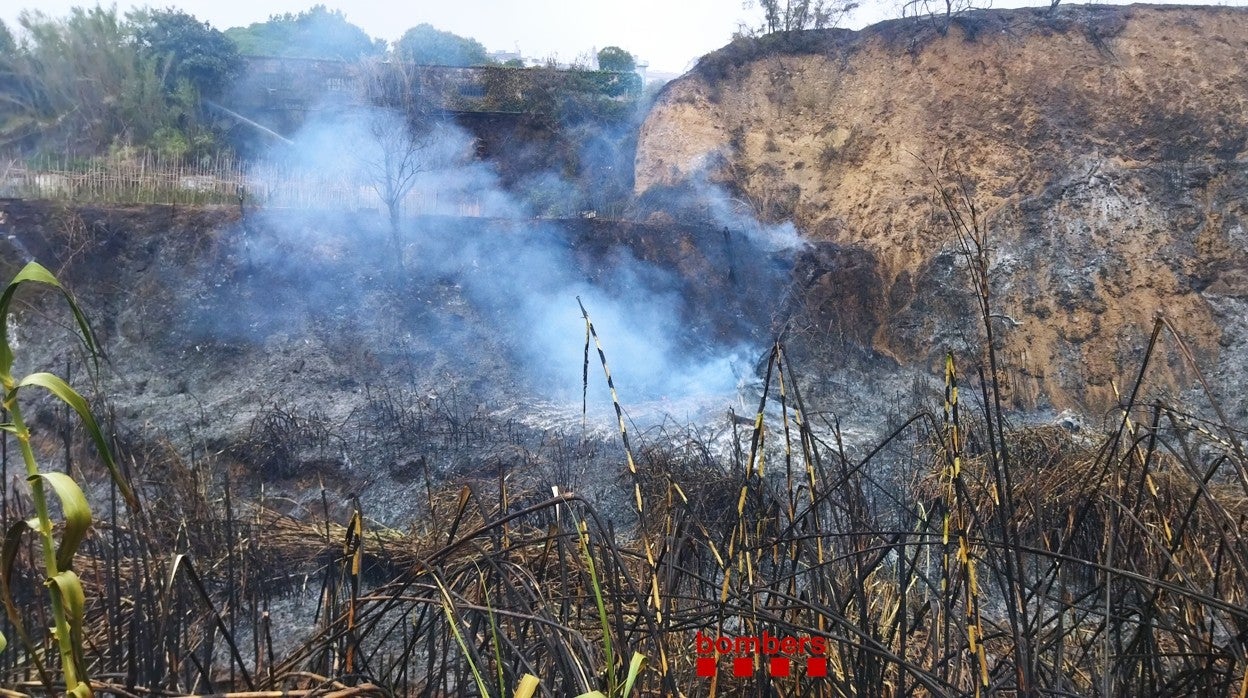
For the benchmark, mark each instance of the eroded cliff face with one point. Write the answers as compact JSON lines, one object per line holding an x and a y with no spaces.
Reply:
{"x":1103,"y":149}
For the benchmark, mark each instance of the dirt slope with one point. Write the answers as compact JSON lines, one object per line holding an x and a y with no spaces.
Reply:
{"x":1104,"y":146}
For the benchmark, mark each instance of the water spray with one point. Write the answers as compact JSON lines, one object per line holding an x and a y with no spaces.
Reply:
{"x":249,"y":122}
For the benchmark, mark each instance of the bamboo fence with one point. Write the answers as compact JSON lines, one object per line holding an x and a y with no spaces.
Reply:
{"x":152,"y":180}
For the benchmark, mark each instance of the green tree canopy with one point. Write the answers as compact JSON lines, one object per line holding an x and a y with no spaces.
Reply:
{"x":191,"y":50}
{"x":92,"y":81}
{"x":426,"y":45}
{"x":316,"y":33}
{"x":79,"y":80}
{"x":616,"y":59}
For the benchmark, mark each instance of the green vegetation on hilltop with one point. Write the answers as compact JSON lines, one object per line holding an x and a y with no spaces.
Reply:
{"x":98,"y":84}
{"x":192,"y":50}
{"x":616,"y":59}
{"x":315,"y":33}
{"x":426,"y":45}
{"x":94,"y":80}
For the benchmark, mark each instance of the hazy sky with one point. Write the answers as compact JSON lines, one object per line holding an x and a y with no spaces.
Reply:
{"x":669,"y":34}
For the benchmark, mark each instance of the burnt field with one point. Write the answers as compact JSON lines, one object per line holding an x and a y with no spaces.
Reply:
{"x":362,"y":473}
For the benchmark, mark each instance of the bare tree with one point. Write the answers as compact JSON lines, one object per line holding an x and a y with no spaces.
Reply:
{"x":398,"y":153}
{"x":405,"y":135}
{"x":796,"y":15}
{"x":942,"y":12}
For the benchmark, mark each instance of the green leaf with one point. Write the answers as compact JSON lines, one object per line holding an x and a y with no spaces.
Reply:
{"x":70,"y":397}
{"x":448,"y":607}
{"x":603,"y":618}
{"x":73,"y":599}
{"x":73,"y":605}
{"x":494,"y":641}
{"x":37,"y":273}
{"x":8,"y":555}
{"x":635,"y":667}
{"x":3,"y":642}
{"x":77,"y":516}
{"x":12,"y":543}
{"x":593,"y":694}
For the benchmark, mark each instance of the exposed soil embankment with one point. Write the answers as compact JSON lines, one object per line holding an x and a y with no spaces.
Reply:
{"x":1103,"y":149}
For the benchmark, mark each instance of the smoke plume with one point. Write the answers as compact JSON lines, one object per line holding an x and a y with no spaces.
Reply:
{"x":469,"y":270}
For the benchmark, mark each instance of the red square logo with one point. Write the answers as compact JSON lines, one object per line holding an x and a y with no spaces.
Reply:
{"x":706,"y":666}
{"x":743,"y":666}
{"x":816,"y":667}
{"x":779,"y":666}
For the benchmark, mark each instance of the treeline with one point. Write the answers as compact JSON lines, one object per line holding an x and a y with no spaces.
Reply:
{"x":96,"y":82}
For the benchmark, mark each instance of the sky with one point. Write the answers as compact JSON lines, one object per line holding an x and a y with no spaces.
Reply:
{"x":669,"y":35}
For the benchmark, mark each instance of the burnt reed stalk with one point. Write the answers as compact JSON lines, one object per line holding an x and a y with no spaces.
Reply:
{"x":972,"y":238}
{"x":1128,"y":576}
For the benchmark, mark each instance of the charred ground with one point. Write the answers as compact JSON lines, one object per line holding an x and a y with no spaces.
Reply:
{"x":294,"y":345}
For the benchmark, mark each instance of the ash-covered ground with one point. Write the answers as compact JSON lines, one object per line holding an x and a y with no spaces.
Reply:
{"x":296,"y":349}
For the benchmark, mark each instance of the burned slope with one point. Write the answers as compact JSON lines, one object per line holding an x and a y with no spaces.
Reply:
{"x":297,"y":344}
{"x":1102,"y":147}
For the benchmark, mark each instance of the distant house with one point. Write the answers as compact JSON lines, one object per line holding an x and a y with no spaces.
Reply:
{"x":280,"y":92}
{"x":640,"y":68}
{"x":507,"y":56}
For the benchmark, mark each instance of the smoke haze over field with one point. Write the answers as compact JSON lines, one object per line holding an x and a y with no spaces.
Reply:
{"x":480,"y":274}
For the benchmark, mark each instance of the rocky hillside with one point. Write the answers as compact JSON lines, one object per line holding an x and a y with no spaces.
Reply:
{"x":1102,"y":148}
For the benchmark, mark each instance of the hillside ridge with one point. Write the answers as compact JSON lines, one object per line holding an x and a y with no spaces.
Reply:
{"x":1102,"y":147}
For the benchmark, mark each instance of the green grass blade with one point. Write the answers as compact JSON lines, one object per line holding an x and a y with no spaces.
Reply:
{"x":72,"y":595}
{"x":608,"y":653}
{"x":494,"y":637}
{"x":77,"y":516}
{"x":8,"y":556}
{"x":73,"y":604}
{"x":635,"y":667}
{"x":448,"y":606}
{"x":70,"y":397}
{"x":37,"y":273}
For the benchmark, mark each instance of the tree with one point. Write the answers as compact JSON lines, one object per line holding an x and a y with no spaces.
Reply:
{"x":8,"y":46}
{"x":796,"y":15}
{"x":316,"y":33}
{"x":192,"y":51}
{"x":82,"y":83}
{"x":426,"y":45}
{"x":942,"y":12}
{"x":391,"y":163}
{"x":10,"y":81}
{"x":616,"y":59}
